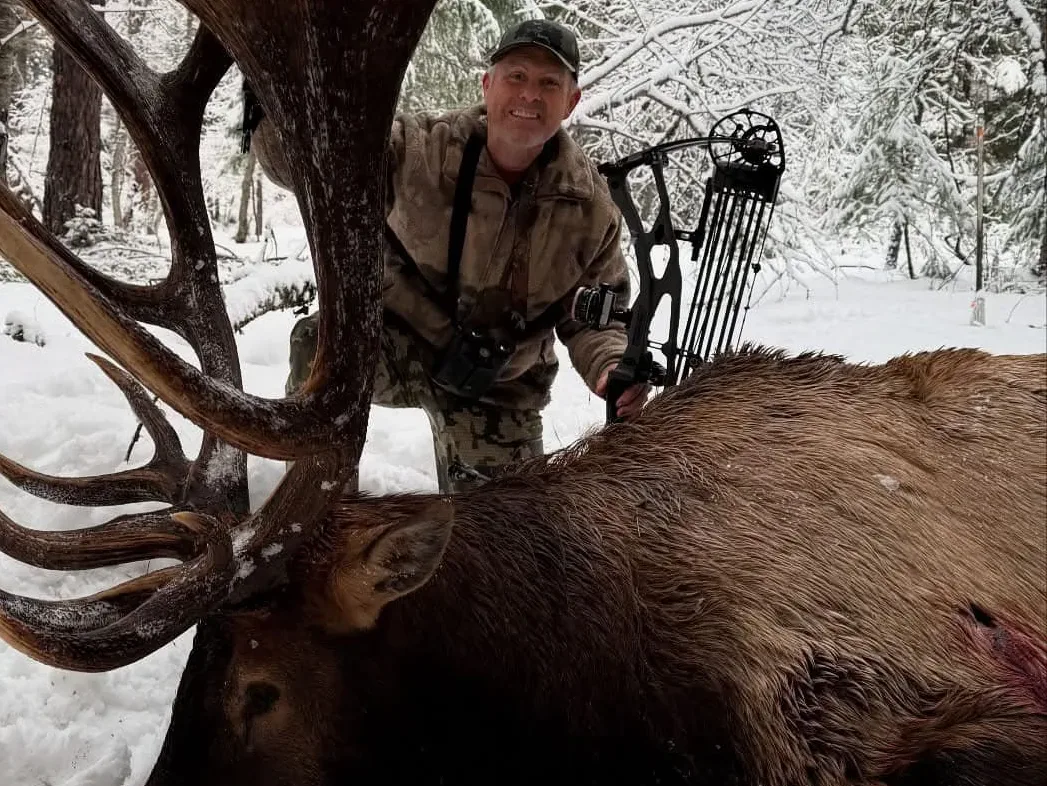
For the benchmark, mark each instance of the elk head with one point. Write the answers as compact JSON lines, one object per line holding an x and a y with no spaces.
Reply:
{"x":328,"y":74}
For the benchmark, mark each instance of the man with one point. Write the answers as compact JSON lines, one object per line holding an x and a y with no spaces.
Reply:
{"x":474,"y":296}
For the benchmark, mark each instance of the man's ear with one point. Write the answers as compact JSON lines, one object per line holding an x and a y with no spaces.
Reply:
{"x":576,"y":96}
{"x":485,"y":82}
{"x":405,"y":555}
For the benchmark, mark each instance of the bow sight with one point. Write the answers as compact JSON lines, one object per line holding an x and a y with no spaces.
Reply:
{"x":748,"y":158}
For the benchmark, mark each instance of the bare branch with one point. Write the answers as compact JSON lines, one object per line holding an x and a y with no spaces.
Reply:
{"x":282,"y":297}
{"x":21,"y":29}
{"x":637,"y":45}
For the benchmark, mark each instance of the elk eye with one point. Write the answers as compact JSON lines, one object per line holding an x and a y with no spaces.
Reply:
{"x":259,"y":698}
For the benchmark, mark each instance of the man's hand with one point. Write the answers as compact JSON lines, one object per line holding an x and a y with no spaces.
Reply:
{"x":632,"y":399}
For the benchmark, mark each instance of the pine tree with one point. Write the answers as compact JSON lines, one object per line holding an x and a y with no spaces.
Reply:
{"x":451,"y":57}
{"x":933,"y":72}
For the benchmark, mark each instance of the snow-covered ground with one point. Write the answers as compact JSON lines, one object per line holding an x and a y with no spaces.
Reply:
{"x":59,"y":414}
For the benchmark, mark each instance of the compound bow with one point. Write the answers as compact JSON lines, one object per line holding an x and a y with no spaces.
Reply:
{"x":748,"y":158}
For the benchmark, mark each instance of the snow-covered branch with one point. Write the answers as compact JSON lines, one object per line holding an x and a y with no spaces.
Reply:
{"x":1031,"y":30}
{"x":290,"y":284}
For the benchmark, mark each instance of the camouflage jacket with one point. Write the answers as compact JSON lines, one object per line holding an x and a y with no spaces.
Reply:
{"x":569,"y":235}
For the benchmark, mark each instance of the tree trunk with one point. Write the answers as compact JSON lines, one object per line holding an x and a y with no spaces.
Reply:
{"x":9,"y":21}
{"x":908,"y":250}
{"x":1041,"y":269}
{"x":258,"y":205}
{"x":121,"y":141}
{"x":243,"y":218}
{"x":116,"y":177}
{"x":142,"y":193}
{"x":893,"y":246}
{"x":74,"y":170}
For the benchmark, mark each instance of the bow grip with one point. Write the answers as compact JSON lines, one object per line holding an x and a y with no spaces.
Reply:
{"x":619,"y":380}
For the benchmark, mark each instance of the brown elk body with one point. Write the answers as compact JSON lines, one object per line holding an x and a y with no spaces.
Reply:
{"x":787,"y":571}
{"x":791,"y":571}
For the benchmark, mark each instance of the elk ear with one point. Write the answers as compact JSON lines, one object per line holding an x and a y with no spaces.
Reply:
{"x":406,"y":554}
{"x":380,"y":562}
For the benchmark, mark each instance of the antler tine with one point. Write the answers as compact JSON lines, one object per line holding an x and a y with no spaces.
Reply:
{"x":300,"y":101}
{"x":124,"y":539}
{"x":200,"y":71}
{"x":83,"y":615}
{"x":168,"y":452}
{"x":168,"y":457}
{"x":162,"y":479}
{"x":144,"y":484}
{"x":98,"y":634}
{"x":111,"y":629}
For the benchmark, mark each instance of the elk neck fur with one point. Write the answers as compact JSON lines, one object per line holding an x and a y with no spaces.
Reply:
{"x":777,"y":561}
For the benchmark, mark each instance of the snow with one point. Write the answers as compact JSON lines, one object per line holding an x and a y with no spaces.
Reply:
{"x":889,"y":482}
{"x":59,"y":414}
{"x":243,"y":295}
{"x":1009,"y":76}
{"x":1031,"y":28}
{"x":245,"y":569}
{"x":270,"y":551}
{"x":22,"y":327}
{"x":222,"y":466}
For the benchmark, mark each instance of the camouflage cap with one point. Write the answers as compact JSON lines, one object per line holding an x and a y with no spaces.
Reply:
{"x":541,"y":32}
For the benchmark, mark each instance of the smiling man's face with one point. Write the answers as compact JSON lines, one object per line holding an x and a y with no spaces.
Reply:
{"x":528,"y":94}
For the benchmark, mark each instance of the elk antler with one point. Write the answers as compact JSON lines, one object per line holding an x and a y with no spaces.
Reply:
{"x":330,"y":94}
{"x":121,"y":625}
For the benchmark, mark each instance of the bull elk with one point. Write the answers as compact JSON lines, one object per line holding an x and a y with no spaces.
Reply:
{"x":787,"y":571}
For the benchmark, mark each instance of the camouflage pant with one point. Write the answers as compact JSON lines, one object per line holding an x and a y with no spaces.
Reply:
{"x":468,"y":437}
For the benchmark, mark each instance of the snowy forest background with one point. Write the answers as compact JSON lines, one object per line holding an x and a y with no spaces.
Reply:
{"x":878,"y":101}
